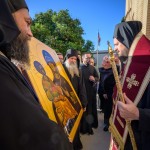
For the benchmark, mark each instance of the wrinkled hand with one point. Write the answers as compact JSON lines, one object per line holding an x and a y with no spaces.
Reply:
{"x":105,"y":96}
{"x":84,"y":109}
{"x":128,"y":111}
{"x":91,"y":78}
{"x":70,"y":139}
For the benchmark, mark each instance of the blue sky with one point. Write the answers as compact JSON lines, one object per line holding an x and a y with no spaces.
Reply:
{"x":94,"y":15}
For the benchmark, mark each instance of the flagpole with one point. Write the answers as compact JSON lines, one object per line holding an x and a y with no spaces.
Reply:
{"x":97,"y":95}
{"x":97,"y":56}
{"x":98,"y":46}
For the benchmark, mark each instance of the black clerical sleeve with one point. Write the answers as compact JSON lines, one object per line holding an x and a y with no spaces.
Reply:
{"x":144,"y":111}
{"x":24,"y":124}
{"x":141,"y":127}
{"x":96,"y":75}
{"x":82,"y":91}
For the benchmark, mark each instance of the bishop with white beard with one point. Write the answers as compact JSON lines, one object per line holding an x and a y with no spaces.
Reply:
{"x":71,"y":66}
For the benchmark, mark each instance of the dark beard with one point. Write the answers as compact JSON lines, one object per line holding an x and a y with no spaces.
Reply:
{"x":123,"y":58}
{"x":18,"y":49}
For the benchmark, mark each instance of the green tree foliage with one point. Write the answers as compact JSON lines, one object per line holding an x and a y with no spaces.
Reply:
{"x":59,"y":31}
{"x":88,"y":46}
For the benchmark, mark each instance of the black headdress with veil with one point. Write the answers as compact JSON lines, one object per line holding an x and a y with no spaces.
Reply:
{"x":125,"y":32}
{"x":8,"y":27}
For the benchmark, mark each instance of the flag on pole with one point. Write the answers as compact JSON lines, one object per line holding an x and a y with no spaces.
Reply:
{"x":99,"y":39}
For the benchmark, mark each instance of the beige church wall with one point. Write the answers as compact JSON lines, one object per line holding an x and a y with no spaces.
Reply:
{"x":139,"y":10}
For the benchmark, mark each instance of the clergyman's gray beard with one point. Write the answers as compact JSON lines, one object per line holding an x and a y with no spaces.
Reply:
{"x":72,"y":68}
{"x":19,"y":50}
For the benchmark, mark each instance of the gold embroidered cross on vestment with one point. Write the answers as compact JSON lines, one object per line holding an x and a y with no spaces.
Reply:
{"x":131,"y":81}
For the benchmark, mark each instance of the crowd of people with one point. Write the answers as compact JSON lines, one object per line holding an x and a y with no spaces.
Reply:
{"x":24,"y":123}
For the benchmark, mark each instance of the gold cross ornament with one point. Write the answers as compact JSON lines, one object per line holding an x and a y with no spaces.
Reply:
{"x":131,"y":81}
